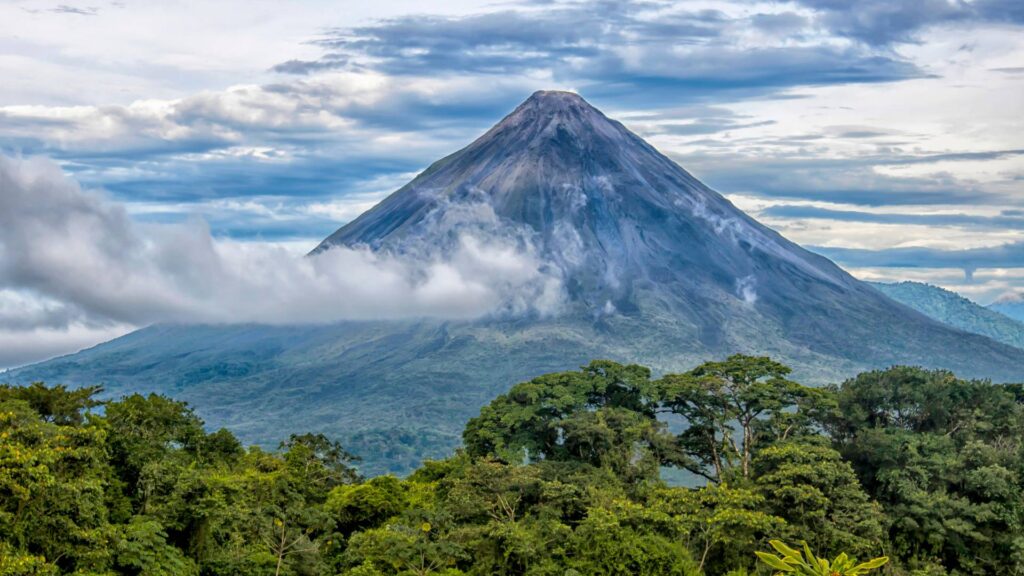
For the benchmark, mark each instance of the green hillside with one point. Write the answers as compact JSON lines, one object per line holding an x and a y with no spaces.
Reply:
{"x":953,"y":309}
{"x":1011,"y":305}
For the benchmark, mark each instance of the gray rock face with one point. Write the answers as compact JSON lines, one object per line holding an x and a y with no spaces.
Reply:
{"x":656,"y":268}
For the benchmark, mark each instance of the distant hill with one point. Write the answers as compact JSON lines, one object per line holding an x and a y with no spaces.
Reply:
{"x":1011,"y":305}
{"x":951,"y":308}
{"x":654,"y":267}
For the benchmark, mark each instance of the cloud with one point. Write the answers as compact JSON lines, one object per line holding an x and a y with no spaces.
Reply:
{"x":611,"y":48}
{"x":883,"y":22}
{"x":1002,"y":256}
{"x":777,"y":100}
{"x":76,"y":10}
{"x":79,"y":260}
{"x":1006,"y":220}
{"x":18,"y":348}
{"x":305,"y":138}
{"x":768,"y":169}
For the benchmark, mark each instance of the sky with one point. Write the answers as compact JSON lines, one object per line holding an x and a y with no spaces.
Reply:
{"x":166,"y":160}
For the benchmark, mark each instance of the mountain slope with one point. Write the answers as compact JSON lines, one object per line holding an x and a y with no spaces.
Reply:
{"x":653,"y":267}
{"x":632,"y":233}
{"x":1011,"y":305}
{"x":955,"y":310}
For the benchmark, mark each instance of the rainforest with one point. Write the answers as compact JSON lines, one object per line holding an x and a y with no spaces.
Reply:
{"x":730,"y":468}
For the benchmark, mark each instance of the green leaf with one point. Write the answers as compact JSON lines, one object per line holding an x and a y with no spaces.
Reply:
{"x":870,"y":564}
{"x":810,"y":555}
{"x":775,"y":562}
{"x":786,"y":551}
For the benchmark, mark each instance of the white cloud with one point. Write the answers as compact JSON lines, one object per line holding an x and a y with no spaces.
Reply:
{"x":25,"y":347}
{"x":73,"y":259}
{"x":984,"y":287}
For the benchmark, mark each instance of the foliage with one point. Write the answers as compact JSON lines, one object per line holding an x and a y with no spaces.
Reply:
{"x":604,"y":415}
{"x":734,"y":407}
{"x":143,"y":548}
{"x":944,"y":458}
{"x":560,"y":476}
{"x":56,"y":404}
{"x":819,"y":496}
{"x":722,"y":525}
{"x":804,"y":563}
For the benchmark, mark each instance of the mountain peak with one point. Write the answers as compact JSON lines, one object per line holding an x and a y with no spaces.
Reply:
{"x":555,"y":99}
{"x":612,"y":215}
{"x":553,"y":113}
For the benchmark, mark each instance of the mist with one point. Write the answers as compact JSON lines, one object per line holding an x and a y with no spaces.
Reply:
{"x":73,"y":261}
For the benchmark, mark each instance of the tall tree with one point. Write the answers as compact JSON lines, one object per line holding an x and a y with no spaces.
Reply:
{"x":605,"y":415}
{"x":735,"y":406}
{"x":55,"y":404}
{"x":807,"y":483}
{"x":943,"y":456}
{"x":52,"y":482}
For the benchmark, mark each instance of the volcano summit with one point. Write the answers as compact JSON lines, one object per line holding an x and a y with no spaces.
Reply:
{"x":633,"y":235}
{"x":641,"y":262}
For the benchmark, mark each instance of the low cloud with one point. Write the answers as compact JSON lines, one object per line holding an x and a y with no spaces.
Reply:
{"x":76,"y":10}
{"x":18,"y":348}
{"x":72,"y":259}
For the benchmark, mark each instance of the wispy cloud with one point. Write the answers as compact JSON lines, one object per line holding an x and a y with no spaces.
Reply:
{"x":884,"y":22}
{"x":76,"y":10}
{"x":856,"y":179}
{"x":1002,"y":256}
{"x":1009,"y":219}
{"x":611,"y":48}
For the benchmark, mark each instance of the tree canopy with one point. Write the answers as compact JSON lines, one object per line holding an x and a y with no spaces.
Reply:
{"x":559,"y":476}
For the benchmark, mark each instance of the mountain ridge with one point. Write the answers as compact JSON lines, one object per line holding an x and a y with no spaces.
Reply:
{"x":955,"y":310}
{"x":1011,"y":305}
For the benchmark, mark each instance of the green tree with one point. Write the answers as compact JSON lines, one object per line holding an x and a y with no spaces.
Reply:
{"x":943,"y":456}
{"x":731,"y":408}
{"x":54,"y":404}
{"x":146,"y":430}
{"x":808,"y":484}
{"x":52,"y":480}
{"x":720,"y":524}
{"x":16,"y":563}
{"x":623,"y":541}
{"x":319,"y":463}
{"x":604,"y":415}
{"x":141,"y":548}
{"x":416,"y":548}
{"x":367,"y":505}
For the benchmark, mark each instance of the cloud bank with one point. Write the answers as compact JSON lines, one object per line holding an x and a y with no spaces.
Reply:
{"x":72,"y":258}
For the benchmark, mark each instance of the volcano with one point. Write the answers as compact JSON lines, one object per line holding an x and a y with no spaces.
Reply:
{"x":653,"y":267}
